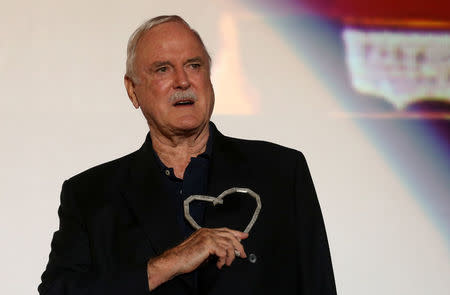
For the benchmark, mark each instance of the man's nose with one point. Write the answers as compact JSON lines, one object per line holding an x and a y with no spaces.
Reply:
{"x":181,"y":80}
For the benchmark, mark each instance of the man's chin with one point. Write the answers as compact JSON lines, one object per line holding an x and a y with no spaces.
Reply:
{"x":188,"y":127}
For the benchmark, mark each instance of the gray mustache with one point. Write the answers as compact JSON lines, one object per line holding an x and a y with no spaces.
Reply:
{"x":180,"y":95}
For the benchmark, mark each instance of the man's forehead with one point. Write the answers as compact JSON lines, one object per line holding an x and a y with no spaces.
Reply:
{"x":167,"y":32}
{"x":168,"y":37}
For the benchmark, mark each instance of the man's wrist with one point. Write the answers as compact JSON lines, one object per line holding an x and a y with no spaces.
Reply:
{"x":160,"y":270}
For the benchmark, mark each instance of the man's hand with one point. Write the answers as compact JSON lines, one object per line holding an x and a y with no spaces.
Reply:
{"x":190,"y":254}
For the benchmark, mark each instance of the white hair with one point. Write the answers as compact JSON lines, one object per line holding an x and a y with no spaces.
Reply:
{"x":137,"y":35}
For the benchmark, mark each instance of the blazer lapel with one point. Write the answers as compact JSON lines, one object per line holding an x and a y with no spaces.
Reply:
{"x":149,"y":201}
{"x":154,"y":208}
{"x":228,"y":169}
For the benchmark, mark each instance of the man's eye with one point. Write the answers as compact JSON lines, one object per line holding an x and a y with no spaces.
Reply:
{"x":195,"y":66}
{"x":162,"y":69}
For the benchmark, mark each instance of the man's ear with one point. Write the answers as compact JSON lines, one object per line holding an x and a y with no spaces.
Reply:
{"x":129,"y":85}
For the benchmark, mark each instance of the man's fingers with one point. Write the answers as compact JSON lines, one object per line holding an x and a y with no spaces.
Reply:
{"x":239,"y":235}
{"x":230,"y":256}
{"x":233,"y":248}
{"x":238,"y":248}
{"x":222,"y":257}
{"x":234,"y":237}
{"x":221,"y":242}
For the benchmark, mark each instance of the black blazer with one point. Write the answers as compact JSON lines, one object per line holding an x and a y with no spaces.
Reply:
{"x":116,"y":216}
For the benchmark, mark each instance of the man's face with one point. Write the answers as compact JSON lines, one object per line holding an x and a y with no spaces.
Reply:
{"x":170,"y":59}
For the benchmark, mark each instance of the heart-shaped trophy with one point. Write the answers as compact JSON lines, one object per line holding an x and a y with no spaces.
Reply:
{"x":219,"y":200}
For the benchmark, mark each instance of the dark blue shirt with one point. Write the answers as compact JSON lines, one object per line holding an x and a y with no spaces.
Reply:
{"x":194,"y":182}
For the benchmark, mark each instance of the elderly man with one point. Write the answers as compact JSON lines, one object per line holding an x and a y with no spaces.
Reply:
{"x":122,"y":226}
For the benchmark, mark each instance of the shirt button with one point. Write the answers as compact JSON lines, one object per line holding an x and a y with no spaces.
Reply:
{"x":167,"y":172}
{"x":252,"y":258}
{"x":181,"y":191}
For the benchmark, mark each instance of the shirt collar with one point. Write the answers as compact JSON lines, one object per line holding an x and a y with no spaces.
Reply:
{"x":208,"y":151}
{"x":206,"y":154}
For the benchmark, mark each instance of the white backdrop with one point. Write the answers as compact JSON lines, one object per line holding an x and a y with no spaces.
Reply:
{"x":64,"y":109}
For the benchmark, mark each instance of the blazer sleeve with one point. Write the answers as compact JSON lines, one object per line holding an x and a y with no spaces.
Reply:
{"x":314,"y":260}
{"x":70,"y":269}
